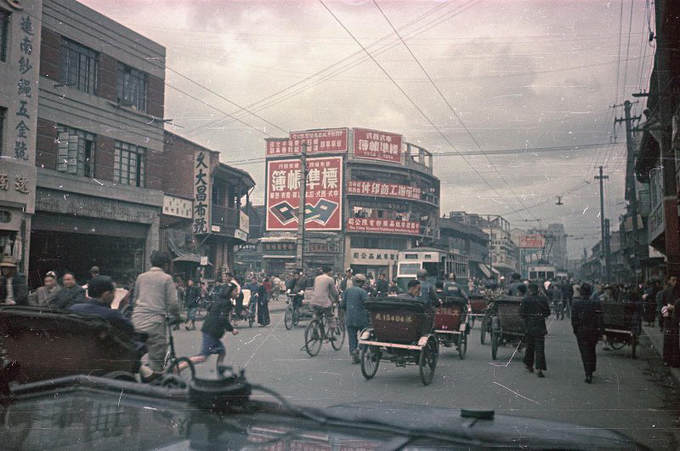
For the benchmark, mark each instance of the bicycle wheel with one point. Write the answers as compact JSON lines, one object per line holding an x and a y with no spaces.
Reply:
{"x":337,"y":335}
{"x":313,"y":338}
{"x":288,"y":319}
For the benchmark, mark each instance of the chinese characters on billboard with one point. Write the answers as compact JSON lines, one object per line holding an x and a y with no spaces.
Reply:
{"x":323,"y":209}
{"x":383,"y":189}
{"x":202,"y":192}
{"x":318,"y":141}
{"x":382,"y":226}
{"x":532,"y":241}
{"x":376,"y":145}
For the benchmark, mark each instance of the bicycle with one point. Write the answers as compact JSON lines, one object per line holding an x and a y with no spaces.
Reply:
{"x":329,"y":326}
{"x":292,"y":316}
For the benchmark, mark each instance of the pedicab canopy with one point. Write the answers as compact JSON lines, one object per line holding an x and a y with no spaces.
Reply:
{"x":399,"y":319}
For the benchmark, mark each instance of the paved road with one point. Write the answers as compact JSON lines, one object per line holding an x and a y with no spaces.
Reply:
{"x":636,"y":397}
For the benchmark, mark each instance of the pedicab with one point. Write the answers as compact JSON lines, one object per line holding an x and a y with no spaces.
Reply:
{"x":507,"y":326}
{"x":401,"y":332}
{"x":622,"y":325}
{"x":478,"y":306}
{"x":47,"y":344}
{"x":451,"y":323}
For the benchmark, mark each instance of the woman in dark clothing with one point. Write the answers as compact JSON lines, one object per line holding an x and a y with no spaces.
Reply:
{"x":534,"y":309}
{"x":262,"y":306}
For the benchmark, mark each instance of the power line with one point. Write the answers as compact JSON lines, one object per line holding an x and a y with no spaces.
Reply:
{"x":625,"y":66}
{"x":405,"y":94}
{"x":298,"y":86}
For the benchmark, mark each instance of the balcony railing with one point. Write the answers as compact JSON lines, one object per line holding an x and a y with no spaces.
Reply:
{"x":225,"y":217}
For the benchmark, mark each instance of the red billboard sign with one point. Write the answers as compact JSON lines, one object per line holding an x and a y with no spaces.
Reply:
{"x":331,"y":140}
{"x":383,"y":189}
{"x":323,"y":205}
{"x":532,"y":241}
{"x":376,"y":145}
{"x":382,"y":226}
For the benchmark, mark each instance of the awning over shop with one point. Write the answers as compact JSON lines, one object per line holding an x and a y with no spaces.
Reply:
{"x":189,"y":258}
{"x":485,"y":269}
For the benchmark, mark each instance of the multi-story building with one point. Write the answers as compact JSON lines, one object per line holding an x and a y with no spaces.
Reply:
{"x":204,"y":208}
{"x":470,"y":240}
{"x":99,"y":144}
{"x":369,"y":195}
{"x":544,"y":245}
{"x":19,"y":61}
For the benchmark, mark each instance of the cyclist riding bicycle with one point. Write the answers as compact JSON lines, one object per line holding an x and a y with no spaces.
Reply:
{"x":325,"y":293}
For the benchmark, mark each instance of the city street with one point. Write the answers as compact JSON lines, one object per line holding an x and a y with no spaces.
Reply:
{"x":635,"y":397}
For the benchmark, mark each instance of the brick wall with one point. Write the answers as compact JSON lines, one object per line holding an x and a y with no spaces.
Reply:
{"x":50,"y":54}
{"x":177,"y":160}
{"x":155,"y":169}
{"x":103,"y":158}
{"x":107,"y":81}
{"x":155,"y":102}
{"x":46,"y":144}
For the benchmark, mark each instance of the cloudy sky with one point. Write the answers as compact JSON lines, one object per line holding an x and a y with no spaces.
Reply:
{"x":519,"y":74}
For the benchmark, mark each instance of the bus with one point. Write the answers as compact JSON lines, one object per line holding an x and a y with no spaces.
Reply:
{"x":541,"y":273}
{"x":437,"y":262}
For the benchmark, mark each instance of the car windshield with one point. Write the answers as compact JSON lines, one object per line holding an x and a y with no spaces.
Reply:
{"x":259,"y":184}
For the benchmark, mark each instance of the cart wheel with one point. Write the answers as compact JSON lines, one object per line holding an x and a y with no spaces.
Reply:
{"x":472,"y":322}
{"x":633,"y":345}
{"x":288,"y":319}
{"x":337,"y":335}
{"x":313,"y":338}
{"x":462,"y":345}
{"x":428,"y":361}
{"x":495,"y":341}
{"x":370,"y":359}
{"x":616,"y":345}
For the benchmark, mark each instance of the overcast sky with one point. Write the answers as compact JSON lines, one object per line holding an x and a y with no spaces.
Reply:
{"x":520,"y":74}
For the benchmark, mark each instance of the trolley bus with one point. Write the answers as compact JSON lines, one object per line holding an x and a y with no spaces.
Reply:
{"x":437,"y":262}
{"x":541,"y":273}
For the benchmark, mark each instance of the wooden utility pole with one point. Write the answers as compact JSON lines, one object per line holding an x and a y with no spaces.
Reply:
{"x":665,"y":24}
{"x":603,"y":243}
{"x":299,"y":255}
{"x":631,"y":195}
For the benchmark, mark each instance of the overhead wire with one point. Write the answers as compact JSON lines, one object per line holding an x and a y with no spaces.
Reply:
{"x":408,"y":97}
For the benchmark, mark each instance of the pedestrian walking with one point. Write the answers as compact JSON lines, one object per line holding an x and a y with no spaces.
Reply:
{"x":586,"y":321}
{"x":13,"y":289}
{"x":670,"y":314}
{"x":262,"y":306}
{"x":356,"y":316}
{"x":155,"y":300}
{"x":534,"y":309}
{"x":70,"y":293}
{"x":46,"y":293}
{"x":192,"y":298}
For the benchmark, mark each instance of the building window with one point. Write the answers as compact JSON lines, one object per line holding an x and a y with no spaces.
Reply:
{"x":3,"y":113}
{"x":4,"y":34}
{"x":78,"y":66}
{"x":128,"y":164}
{"x":75,"y":154}
{"x":131,"y":87}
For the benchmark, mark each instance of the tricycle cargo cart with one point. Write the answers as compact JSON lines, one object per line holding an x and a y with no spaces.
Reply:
{"x":451,"y":324}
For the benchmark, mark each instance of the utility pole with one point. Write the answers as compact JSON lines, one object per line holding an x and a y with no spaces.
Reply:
{"x":631,"y":195}
{"x":666,"y":30}
{"x":299,"y":255}
{"x":603,"y":243}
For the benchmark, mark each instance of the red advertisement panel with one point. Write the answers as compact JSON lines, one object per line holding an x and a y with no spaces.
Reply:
{"x":383,"y":189}
{"x":532,"y":241}
{"x":332,"y":140}
{"x":376,"y":145}
{"x":382,"y":226}
{"x":323,"y":206}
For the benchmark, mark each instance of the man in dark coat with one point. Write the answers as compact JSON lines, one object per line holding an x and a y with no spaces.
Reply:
{"x":13,"y":289}
{"x":586,"y":320}
{"x":356,"y":316}
{"x":534,"y":309}
{"x":671,"y":302}
{"x":70,"y":293}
